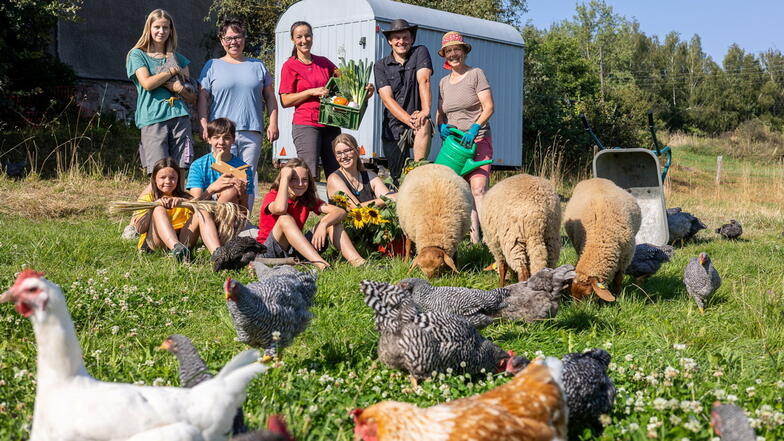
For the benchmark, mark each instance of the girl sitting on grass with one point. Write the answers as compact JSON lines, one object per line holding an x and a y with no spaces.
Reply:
{"x":284,"y":211}
{"x":168,"y":225}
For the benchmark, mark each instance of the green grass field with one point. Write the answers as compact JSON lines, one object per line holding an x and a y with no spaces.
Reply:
{"x":670,"y":363}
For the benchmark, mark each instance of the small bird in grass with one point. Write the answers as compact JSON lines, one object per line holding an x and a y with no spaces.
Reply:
{"x":732,"y":230}
{"x":701,"y":279}
{"x":729,"y":422}
{"x":194,"y":371}
{"x":682,"y":225}
{"x":647,"y":260}
{"x":237,"y":253}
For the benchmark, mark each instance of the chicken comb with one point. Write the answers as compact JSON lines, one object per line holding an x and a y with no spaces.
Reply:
{"x":276,"y":424}
{"x":26,"y":274}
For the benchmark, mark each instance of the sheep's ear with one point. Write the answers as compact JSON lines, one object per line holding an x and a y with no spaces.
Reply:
{"x":601,"y":290}
{"x":413,"y":264}
{"x":450,"y":263}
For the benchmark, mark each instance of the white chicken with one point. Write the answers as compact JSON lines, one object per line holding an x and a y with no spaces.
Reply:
{"x":71,"y":405}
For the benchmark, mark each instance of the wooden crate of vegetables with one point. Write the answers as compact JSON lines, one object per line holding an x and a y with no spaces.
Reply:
{"x":347,"y":100}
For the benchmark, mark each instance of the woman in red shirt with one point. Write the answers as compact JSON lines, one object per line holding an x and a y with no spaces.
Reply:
{"x":303,"y":78}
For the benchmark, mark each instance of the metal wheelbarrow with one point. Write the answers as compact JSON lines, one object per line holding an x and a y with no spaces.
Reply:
{"x":637,"y":170}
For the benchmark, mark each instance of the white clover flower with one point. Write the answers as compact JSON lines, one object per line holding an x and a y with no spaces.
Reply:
{"x":605,"y":420}
{"x":670,"y":372}
{"x":312,"y":408}
{"x":138,"y":383}
{"x":115,"y":329}
{"x":759,"y":438}
{"x":660,"y":404}
{"x":780,"y":384}
{"x":539,"y":354}
{"x":20,"y":373}
{"x":720,"y":394}
{"x":679,"y":346}
{"x":608,"y":345}
{"x":758,"y":381}
{"x":462,"y":364}
{"x":685,"y":439}
{"x":688,"y":364}
{"x":718,"y":373}
{"x":675,"y":420}
{"x":693,"y":424}
{"x":149,"y":363}
{"x":633,"y":427}
{"x":158,"y":382}
{"x":449,"y":371}
{"x":732,"y":398}
{"x":628,"y":357}
{"x":621,"y":370}
{"x":751,"y":391}
{"x":97,"y":353}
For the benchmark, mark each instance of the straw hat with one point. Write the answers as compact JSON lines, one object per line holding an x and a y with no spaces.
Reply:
{"x":453,"y":38}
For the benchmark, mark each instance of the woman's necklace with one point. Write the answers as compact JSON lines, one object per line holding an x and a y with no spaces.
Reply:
{"x":351,"y":182}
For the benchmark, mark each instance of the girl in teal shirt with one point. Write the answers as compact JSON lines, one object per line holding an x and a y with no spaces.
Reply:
{"x":161,"y":110}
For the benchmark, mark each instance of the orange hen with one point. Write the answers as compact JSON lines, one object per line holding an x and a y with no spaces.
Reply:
{"x":531,"y":407}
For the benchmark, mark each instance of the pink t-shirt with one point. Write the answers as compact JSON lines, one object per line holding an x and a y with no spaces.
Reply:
{"x":296,"y":76}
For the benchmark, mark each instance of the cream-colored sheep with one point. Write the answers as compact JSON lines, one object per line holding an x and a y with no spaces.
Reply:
{"x":521,"y":224}
{"x":601,"y":220}
{"x":434,"y":207}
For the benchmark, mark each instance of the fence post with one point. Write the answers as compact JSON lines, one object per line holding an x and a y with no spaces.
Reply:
{"x":718,"y":170}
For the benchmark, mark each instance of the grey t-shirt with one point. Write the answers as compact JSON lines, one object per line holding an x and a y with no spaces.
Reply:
{"x":460,"y":101}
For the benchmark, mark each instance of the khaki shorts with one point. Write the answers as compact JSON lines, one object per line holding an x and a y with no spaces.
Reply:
{"x":167,"y":138}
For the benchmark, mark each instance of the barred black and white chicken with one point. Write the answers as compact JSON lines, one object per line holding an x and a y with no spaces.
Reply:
{"x":425,"y":342}
{"x":194,"y":371}
{"x":648,"y":259}
{"x":535,"y":299}
{"x":682,"y":225}
{"x":539,"y":297}
{"x":589,"y":391}
{"x":270,"y":312}
{"x":475,"y":305}
{"x":731,"y":231}
{"x":701,"y":279}
{"x":730,"y":423}
{"x":237,"y":253}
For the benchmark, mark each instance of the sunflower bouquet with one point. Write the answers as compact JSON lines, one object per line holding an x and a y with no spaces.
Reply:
{"x":370,"y":225}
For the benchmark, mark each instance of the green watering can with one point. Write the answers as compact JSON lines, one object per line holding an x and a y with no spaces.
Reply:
{"x":458,"y":157}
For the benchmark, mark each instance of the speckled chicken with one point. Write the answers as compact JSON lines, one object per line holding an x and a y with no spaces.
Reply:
{"x":589,"y":391}
{"x":648,"y":259}
{"x":682,"y":225}
{"x":701,"y":279}
{"x":194,"y":371}
{"x":236,"y":254}
{"x":475,"y":305}
{"x":730,"y":423}
{"x":731,"y":231}
{"x":270,"y":312}
{"x":530,"y":407}
{"x":538,"y":297}
{"x":425,"y":342}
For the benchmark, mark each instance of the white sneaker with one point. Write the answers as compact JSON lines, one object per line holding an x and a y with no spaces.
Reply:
{"x":130,"y":233}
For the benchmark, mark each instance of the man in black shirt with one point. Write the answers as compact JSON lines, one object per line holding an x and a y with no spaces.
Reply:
{"x":403,"y":83}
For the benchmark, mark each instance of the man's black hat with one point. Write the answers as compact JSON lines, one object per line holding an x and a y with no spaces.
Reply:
{"x":400,"y":24}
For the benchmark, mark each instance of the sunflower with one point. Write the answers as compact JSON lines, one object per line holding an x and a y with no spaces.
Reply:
{"x":356,"y":218}
{"x":340,"y":199}
{"x":365,"y":214}
{"x":374,"y":216}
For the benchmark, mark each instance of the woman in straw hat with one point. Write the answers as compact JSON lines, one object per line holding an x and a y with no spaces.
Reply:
{"x":465,"y":101}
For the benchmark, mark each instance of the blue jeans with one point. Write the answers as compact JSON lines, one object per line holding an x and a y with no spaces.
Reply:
{"x":247,"y":146}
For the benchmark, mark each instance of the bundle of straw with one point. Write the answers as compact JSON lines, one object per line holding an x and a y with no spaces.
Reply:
{"x":230,"y":218}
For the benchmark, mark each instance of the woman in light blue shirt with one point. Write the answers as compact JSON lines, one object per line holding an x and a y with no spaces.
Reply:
{"x":240,"y":89}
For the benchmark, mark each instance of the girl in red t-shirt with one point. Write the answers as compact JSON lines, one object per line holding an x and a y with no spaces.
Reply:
{"x":284,"y":211}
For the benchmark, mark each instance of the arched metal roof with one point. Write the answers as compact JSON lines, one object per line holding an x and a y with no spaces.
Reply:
{"x":334,"y":12}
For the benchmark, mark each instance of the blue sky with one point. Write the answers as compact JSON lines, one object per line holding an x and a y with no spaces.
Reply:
{"x":755,"y":25}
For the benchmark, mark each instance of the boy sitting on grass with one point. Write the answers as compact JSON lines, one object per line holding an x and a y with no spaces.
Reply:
{"x":206,"y":183}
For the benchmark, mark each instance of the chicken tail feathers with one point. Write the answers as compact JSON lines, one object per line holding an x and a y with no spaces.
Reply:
{"x":242,"y":359}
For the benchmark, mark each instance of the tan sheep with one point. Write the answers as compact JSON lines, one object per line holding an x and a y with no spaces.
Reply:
{"x":521,"y":224}
{"x":601,"y":220}
{"x":434,"y":207}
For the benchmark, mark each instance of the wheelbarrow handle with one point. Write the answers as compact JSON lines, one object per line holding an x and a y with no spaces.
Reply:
{"x":653,"y":134}
{"x":588,"y":130}
{"x":585,"y":122}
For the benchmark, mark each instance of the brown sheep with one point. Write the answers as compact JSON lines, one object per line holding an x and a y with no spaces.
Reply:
{"x":521,"y":223}
{"x":601,"y":220}
{"x":434,"y":207}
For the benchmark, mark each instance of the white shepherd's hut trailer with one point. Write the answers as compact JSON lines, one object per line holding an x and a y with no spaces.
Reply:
{"x":352,"y":29}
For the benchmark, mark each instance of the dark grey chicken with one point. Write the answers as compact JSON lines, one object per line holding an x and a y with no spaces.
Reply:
{"x":701,"y":279}
{"x":188,"y":83}
{"x":269,"y":313}
{"x":732,"y":230}
{"x":237,"y":253}
{"x":425,"y":342}
{"x":730,"y":423}
{"x":589,"y":390}
{"x":193,"y":371}
{"x":538,"y":297}
{"x":648,"y":259}
{"x":682,"y":225}
{"x":475,"y":305}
